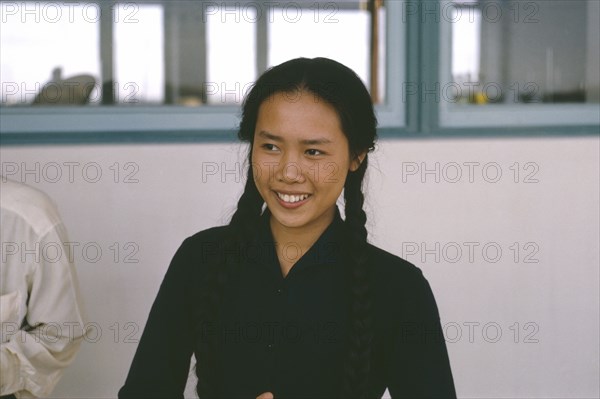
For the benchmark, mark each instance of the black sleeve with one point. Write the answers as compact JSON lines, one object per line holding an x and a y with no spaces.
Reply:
{"x":419,"y":364}
{"x":161,"y":364}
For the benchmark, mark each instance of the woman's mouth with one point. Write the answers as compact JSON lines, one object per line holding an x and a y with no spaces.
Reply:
{"x":292,"y":200}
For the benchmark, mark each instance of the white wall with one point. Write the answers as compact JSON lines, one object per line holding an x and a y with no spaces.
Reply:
{"x":559,"y":214}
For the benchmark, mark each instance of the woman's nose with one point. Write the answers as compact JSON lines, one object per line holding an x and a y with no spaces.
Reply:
{"x":290,"y":170}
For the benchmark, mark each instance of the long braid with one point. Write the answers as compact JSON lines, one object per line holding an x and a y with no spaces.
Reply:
{"x":357,"y":365}
{"x":239,"y":231}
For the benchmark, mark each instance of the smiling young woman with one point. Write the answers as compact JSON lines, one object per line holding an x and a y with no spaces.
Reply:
{"x":289,"y":300}
{"x":300,"y":142}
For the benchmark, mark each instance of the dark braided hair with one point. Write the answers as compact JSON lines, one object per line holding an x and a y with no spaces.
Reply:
{"x":240,"y":230}
{"x":343,"y":89}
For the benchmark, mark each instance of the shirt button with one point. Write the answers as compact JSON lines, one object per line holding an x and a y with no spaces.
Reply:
{"x":270,"y":346}
{"x":279,"y":291}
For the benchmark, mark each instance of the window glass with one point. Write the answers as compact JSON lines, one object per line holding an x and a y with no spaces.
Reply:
{"x":328,"y":30}
{"x":51,"y":45}
{"x":139,"y":76}
{"x":520,"y":52}
{"x":231,"y":45}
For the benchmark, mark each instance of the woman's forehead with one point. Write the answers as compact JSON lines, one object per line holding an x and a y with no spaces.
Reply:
{"x":297,"y":107}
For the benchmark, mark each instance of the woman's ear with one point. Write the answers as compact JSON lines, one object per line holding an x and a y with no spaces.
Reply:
{"x":355,"y":163}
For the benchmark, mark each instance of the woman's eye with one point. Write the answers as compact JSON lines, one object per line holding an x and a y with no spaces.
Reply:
{"x":313,"y":151}
{"x":270,"y":147}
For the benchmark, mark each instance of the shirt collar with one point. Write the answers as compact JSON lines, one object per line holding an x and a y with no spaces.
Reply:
{"x":325,"y":251}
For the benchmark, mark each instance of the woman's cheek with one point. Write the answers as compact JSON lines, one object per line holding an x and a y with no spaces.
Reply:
{"x":335,"y":173}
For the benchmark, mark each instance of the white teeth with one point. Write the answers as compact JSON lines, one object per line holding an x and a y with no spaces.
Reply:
{"x":292,"y":198}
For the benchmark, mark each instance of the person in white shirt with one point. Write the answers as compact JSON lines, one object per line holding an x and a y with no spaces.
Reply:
{"x":41,"y":315}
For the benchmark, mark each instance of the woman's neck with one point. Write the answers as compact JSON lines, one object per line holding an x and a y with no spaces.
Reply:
{"x":292,"y":242}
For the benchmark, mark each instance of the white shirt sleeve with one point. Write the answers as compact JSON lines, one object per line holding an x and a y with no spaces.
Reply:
{"x":42,"y":319}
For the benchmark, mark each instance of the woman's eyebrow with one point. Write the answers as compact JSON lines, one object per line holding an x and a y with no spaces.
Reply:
{"x":317,"y":141}
{"x":269,"y":136}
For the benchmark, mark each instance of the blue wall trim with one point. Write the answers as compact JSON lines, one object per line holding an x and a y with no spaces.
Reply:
{"x":230,"y":136}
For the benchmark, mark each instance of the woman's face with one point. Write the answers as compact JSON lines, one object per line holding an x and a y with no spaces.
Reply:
{"x":300,"y":159}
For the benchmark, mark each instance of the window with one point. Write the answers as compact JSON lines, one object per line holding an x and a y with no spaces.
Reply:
{"x":519,"y":63}
{"x":176,"y":65}
{"x":38,"y":48}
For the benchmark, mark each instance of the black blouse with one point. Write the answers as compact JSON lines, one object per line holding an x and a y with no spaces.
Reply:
{"x":287,"y":335}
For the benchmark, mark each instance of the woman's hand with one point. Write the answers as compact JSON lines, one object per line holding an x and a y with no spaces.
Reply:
{"x":266,"y":395}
